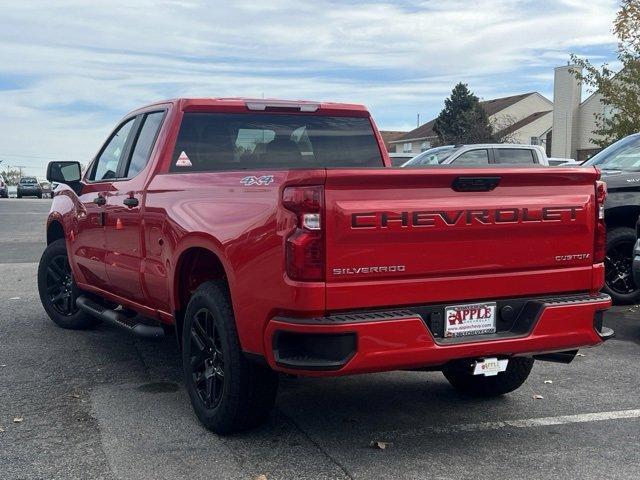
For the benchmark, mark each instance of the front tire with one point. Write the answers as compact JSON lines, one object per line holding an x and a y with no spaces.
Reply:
{"x":619,"y":282}
{"x":58,"y":290}
{"x":228,"y":393}
{"x":511,"y":379}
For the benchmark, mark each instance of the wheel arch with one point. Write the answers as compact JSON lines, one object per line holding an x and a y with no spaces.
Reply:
{"x":55,"y":231}
{"x":622,"y":216}
{"x":197,"y":261}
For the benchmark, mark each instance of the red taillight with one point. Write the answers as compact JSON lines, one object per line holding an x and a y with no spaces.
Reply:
{"x":305,"y":246}
{"x":600,"y":243}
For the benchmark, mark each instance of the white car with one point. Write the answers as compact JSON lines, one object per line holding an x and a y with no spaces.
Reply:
{"x":485,"y":154}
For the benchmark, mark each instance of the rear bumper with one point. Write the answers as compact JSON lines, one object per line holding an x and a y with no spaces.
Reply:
{"x":362,"y":342}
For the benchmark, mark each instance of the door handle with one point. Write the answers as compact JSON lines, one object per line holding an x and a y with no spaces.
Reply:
{"x":100,"y":200}
{"x":131,"y":202}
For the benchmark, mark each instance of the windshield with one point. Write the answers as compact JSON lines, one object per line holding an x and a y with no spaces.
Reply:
{"x":622,"y":155}
{"x":28,"y":180}
{"x":433,"y":156}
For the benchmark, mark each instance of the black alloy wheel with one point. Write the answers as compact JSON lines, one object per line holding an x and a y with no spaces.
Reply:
{"x":618,"y":268}
{"x":60,"y":287}
{"x":58,"y":291}
{"x":207,"y":359}
{"x":228,"y":391}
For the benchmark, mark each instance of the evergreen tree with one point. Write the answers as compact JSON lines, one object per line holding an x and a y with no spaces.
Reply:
{"x":463,"y":120}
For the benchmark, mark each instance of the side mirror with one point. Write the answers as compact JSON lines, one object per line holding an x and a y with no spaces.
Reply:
{"x":64,"y":172}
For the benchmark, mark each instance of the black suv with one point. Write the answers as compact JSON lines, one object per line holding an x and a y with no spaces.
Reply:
{"x":620,"y":166}
{"x":29,"y":187}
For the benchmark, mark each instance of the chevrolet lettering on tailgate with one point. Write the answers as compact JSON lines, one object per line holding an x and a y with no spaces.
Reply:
{"x":427,"y":218}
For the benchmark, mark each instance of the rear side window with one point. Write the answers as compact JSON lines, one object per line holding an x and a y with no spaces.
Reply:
{"x":516,"y":156}
{"x":473,"y":157}
{"x":144,"y":144}
{"x":218,"y":141}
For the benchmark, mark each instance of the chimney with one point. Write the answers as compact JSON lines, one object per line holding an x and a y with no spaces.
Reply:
{"x":567,"y":92}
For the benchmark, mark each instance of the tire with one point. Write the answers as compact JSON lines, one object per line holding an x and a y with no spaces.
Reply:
{"x":58,"y":291}
{"x":40,"y":196}
{"x":511,"y":379}
{"x":619,"y":282}
{"x":228,"y":393}
{"x":18,"y":195}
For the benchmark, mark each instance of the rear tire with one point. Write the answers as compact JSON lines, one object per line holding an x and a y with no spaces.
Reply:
{"x":619,"y":282}
{"x":511,"y":379}
{"x":228,"y":393}
{"x":58,"y":290}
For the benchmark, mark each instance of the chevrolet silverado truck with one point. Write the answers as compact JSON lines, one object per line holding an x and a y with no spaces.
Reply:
{"x":273,"y":237}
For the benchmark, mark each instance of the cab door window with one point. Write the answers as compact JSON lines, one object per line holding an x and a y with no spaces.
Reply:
{"x":106,"y":165}
{"x":515,"y":156}
{"x":144,"y":144}
{"x":473,"y":157}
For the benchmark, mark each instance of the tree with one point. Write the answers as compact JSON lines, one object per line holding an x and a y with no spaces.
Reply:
{"x":620,"y":91}
{"x":463,"y":120}
{"x":11,"y":176}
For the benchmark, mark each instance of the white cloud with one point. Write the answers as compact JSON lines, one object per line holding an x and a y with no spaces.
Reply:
{"x":69,"y":69}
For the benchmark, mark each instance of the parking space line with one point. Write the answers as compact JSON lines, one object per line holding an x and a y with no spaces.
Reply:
{"x":524,"y":423}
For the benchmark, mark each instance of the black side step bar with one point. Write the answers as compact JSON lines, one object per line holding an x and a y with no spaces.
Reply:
{"x":118,"y":318}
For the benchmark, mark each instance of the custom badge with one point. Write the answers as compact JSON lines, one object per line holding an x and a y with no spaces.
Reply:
{"x":183,"y":161}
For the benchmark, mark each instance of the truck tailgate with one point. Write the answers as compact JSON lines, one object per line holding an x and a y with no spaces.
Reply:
{"x":395,"y":229}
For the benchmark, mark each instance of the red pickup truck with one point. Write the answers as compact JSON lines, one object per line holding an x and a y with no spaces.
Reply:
{"x":272,"y":236}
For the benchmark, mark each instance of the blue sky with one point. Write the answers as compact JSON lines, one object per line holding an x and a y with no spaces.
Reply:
{"x":69,"y":69}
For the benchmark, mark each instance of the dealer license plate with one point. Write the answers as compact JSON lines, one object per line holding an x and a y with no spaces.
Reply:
{"x":471,"y":319}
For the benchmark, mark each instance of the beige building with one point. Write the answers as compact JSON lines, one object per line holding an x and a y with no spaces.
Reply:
{"x":525,"y":119}
{"x":574,"y":120}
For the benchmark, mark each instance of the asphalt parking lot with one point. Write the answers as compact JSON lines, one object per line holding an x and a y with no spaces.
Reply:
{"x":102,"y":404}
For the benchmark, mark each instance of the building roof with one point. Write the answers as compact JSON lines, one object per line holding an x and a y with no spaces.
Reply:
{"x":423,"y":131}
{"x":490,"y":106}
{"x":521,"y":123}
{"x":391,"y":135}
{"x":498,"y":104}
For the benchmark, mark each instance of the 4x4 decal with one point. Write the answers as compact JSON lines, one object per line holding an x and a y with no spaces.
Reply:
{"x":252,"y":180}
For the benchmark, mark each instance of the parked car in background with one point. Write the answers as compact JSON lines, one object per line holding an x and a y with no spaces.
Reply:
{"x":397,"y":159}
{"x":563,"y":162}
{"x":270,"y":238}
{"x":29,"y":187}
{"x":47,"y":189}
{"x":620,"y":166}
{"x":4,"y":189}
{"x":482,"y":154}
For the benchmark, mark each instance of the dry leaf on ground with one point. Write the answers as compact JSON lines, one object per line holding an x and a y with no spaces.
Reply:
{"x":380,"y":445}
{"x":537,"y":397}
{"x":17,"y":419}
